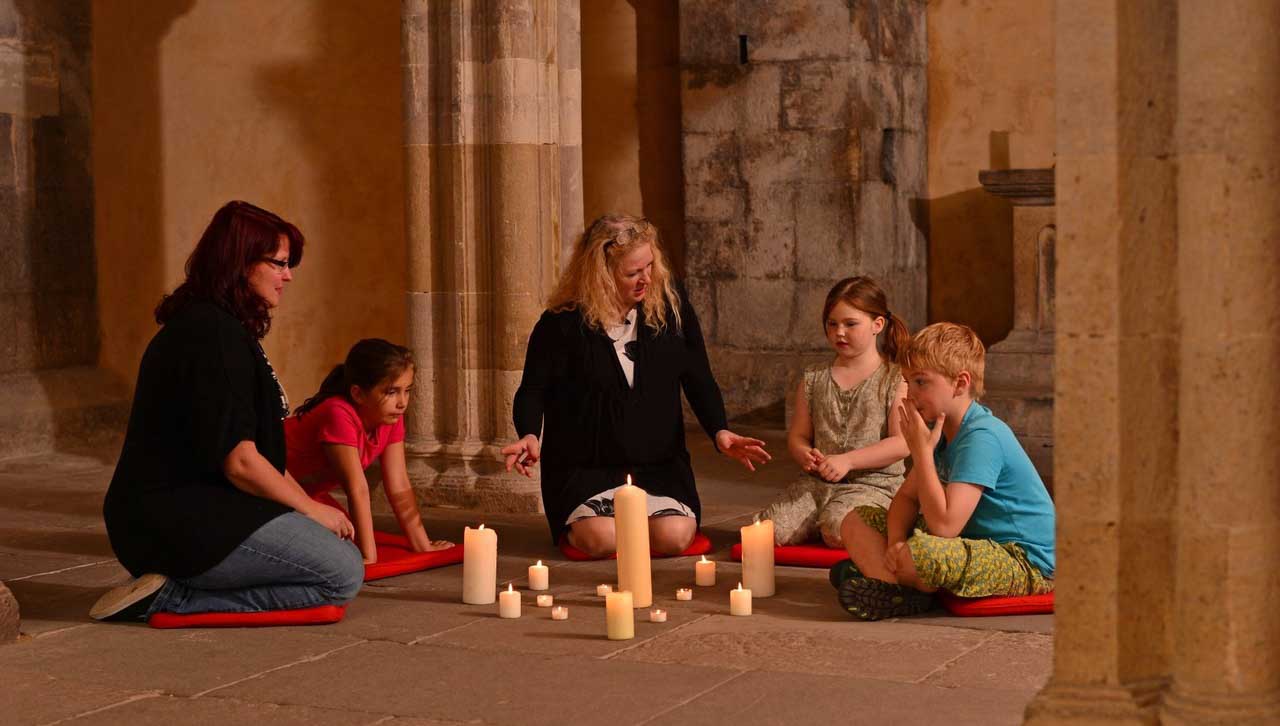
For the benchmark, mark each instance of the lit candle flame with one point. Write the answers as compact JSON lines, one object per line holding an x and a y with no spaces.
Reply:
{"x":510,"y":588}
{"x":757,"y":523}
{"x":628,"y":480}
{"x":739,"y":585}
{"x":482,"y":526}
{"x":704,"y":558}
{"x":539,"y":563}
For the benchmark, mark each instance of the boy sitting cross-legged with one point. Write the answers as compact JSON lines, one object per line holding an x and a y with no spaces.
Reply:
{"x":988,"y":522}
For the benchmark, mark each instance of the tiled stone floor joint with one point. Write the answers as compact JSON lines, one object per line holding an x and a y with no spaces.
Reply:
{"x":108,"y":707}
{"x":645,"y":641}
{"x":694,"y":697}
{"x":301,"y":661}
{"x":942,"y":667}
{"x":59,"y":572}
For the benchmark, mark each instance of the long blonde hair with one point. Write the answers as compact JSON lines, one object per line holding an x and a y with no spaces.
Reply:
{"x":588,"y":286}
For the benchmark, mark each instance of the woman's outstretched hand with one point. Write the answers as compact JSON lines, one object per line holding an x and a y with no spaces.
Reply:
{"x":746,"y":450}
{"x":523,"y":454}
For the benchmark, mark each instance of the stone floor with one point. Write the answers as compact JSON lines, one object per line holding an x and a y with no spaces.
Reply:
{"x":409,"y":652}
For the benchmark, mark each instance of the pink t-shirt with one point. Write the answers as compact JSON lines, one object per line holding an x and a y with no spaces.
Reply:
{"x":333,"y":421}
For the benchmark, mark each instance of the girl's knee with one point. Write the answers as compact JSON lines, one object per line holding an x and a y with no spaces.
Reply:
{"x":596,"y":537}
{"x":671,"y":535}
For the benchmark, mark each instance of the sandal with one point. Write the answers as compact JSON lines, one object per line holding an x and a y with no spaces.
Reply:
{"x":841,"y":571}
{"x":868,"y":599}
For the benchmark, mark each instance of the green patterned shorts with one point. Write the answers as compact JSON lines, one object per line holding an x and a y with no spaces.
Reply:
{"x":966,"y":567}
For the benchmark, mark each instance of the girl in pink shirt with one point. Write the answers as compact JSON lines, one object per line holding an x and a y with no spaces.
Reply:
{"x":358,"y":416}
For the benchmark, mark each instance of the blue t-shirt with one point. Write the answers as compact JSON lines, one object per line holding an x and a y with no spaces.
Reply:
{"x":1015,"y":506}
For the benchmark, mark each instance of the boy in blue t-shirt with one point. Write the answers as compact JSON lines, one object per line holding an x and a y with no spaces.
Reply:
{"x":989,"y":519}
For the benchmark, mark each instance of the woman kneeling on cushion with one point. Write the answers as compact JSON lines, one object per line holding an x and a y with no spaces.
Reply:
{"x":201,"y":509}
{"x":602,"y":379}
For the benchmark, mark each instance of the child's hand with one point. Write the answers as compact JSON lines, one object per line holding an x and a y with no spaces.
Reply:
{"x":891,"y":555}
{"x":523,"y":454}
{"x":371,"y":560}
{"x":921,"y":440}
{"x":812,"y":459}
{"x":439,"y":544}
{"x":834,"y":468}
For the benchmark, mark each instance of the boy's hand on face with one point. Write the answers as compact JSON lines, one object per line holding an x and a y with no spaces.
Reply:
{"x":920,"y":438}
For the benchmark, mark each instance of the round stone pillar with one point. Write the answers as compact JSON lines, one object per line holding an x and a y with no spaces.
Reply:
{"x":1226,"y":666}
{"x":483,"y":175}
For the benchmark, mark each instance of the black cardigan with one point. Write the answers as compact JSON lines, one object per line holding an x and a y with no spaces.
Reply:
{"x":595,"y":429}
{"x":204,"y":386}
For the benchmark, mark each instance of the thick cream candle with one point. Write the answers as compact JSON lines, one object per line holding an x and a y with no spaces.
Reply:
{"x":509,"y":603}
{"x":704,"y":572}
{"x":740,"y":601}
{"x":757,"y":557}
{"x":631,"y":518}
{"x":479,"y":565}
{"x":620,"y":616}
{"x":539,"y":576}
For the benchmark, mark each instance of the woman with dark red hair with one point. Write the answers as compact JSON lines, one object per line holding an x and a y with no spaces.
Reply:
{"x":201,"y":510}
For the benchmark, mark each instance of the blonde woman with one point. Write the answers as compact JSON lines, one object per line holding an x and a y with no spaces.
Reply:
{"x":602,"y":379}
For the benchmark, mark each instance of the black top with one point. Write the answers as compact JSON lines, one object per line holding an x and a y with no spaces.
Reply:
{"x":595,"y":429}
{"x":203,"y":387}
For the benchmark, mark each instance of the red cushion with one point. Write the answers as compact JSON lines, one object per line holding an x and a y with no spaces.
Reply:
{"x":699,"y":546}
{"x":393,"y":560}
{"x":800,"y":555}
{"x":319,"y":615}
{"x":997,"y":605}
{"x":395,"y":555}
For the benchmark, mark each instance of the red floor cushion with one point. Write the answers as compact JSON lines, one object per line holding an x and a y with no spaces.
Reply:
{"x":800,"y":555}
{"x":319,"y":615}
{"x":997,"y":605}
{"x":395,"y":555}
{"x":699,"y":546}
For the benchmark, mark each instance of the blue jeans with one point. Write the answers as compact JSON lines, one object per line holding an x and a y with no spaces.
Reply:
{"x":290,"y":562}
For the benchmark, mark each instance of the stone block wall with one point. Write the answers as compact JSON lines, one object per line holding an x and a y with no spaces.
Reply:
{"x":804,"y":163}
{"x":48,"y":305}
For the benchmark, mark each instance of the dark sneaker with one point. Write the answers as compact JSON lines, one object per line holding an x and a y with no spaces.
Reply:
{"x":128,"y":602}
{"x":868,"y":599}
{"x":841,"y":571}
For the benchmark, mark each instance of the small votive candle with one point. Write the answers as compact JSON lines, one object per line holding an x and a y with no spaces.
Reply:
{"x":538,"y":576}
{"x":684,"y":593}
{"x":739,"y":601}
{"x":657,"y":616}
{"x":544,"y":601}
{"x":559,"y":612}
{"x":509,"y":603}
{"x":602,"y":590}
{"x":704,"y":572}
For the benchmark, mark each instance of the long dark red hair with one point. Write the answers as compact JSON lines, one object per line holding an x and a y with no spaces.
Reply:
{"x":239,"y":236}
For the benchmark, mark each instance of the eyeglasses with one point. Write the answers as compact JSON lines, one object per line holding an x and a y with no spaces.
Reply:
{"x":280,"y":265}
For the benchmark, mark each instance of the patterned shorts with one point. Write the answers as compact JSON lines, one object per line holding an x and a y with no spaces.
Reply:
{"x":601,"y":505}
{"x":966,"y":567}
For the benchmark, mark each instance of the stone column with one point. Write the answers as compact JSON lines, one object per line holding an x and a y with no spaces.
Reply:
{"x":484,"y":229}
{"x":570,"y":62}
{"x":1226,"y":665}
{"x":1116,"y":350}
{"x":1019,"y":374}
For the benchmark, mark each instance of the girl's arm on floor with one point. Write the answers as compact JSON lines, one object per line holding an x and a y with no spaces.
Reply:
{"x":395,"y":480}
{"x":346,"y":461}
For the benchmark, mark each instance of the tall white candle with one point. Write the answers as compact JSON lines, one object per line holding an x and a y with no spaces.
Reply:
{"x":539,"y":576}
{"x":740,"y":601}
{"x":620,"y":616}
{"x":509,"y":603}
{"x":631,"y":518}
{"x":704,"y":572}
{"x":757,"y":557}
{"x":479,"y":565}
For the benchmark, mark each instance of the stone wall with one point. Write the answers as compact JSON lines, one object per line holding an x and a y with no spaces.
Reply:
{"x":47,"y":284}
{"x":804,"y":162}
